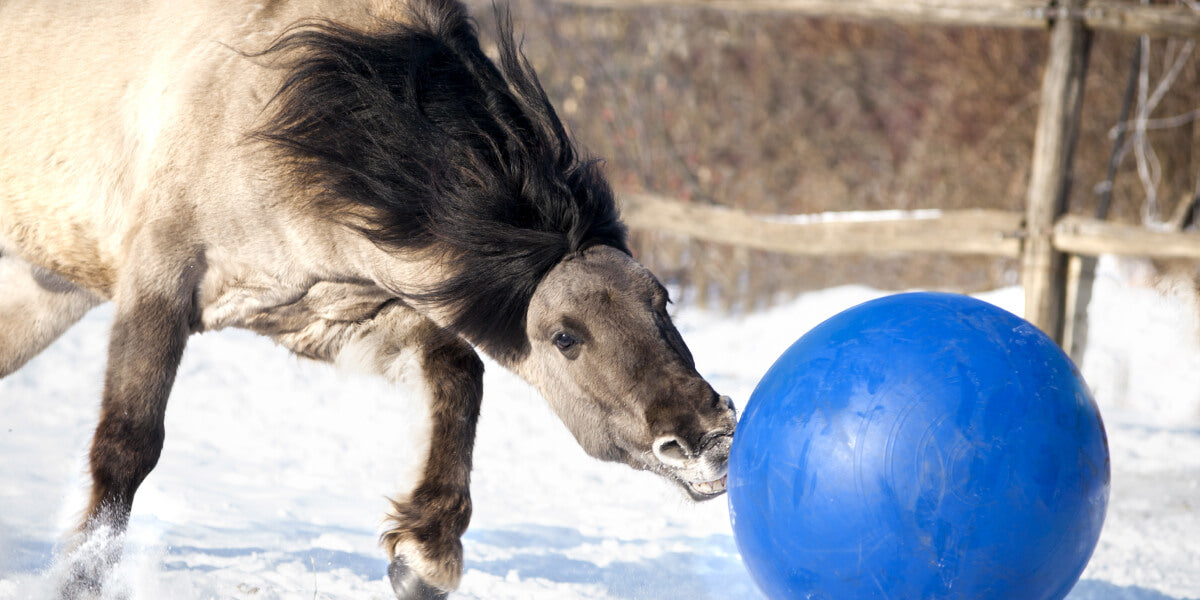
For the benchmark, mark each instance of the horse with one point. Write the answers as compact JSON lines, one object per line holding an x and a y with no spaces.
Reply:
{"x":356,"y":180}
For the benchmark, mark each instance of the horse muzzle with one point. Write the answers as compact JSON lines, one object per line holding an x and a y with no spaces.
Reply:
{"x":701,"y":469}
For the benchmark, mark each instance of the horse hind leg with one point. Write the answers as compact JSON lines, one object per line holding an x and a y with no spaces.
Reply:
{"x":36,"y":306}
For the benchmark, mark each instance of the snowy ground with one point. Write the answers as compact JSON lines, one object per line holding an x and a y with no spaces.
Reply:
{"x":273,"y":478}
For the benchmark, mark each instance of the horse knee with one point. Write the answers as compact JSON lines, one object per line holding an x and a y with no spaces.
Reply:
{"x":455,"y":373}
{"x":124,"y":450}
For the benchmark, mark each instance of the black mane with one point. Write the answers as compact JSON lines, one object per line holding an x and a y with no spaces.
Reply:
{"x":415,"y":138}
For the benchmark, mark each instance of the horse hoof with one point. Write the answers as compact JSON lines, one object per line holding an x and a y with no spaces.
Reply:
{"x":408,"y":585}
{"x":79,"y":589}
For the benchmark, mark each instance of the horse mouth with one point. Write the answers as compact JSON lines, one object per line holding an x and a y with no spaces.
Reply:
{"x":707,"y":490}
{"x":703,"y":475}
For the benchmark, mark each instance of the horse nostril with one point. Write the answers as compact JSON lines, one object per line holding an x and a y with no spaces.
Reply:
{"x":716,"y":443}
{"x":671,"y":450}
{"x":727,"y":402}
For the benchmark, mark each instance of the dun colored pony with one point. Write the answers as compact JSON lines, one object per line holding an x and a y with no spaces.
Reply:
{"x":356,"y":180}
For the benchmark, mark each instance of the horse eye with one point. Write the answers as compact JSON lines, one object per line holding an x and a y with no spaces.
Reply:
{"x":564,"y":341}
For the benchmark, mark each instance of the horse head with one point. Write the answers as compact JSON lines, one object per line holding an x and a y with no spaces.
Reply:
{"x":606,"y":356}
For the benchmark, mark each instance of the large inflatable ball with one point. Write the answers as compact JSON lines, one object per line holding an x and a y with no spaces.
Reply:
{"x":919,"y":446}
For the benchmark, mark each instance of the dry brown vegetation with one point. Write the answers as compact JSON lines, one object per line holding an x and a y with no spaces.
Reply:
{"x":782,"y":114}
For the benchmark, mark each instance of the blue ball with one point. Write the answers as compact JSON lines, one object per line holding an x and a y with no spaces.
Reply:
{"x":920,"y":445}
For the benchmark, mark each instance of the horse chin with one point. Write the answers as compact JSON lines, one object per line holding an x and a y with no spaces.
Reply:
{"x":697,"y":491}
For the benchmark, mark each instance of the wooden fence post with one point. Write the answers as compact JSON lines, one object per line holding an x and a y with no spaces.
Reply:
{"x":1042,"y":267}
{"x":1081,"y":269}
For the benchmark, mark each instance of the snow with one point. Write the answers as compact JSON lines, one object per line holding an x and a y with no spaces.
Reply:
{"x":273,"y":480}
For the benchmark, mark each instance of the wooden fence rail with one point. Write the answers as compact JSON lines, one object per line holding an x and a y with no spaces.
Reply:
{"x":982,"y":232}
{"x":1085,"y":236}
{"x":1109,"y":15}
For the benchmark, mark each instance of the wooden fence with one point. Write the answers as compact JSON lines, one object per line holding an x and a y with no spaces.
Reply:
{"x":1048,"y":243}
{"x":1111,"y":15}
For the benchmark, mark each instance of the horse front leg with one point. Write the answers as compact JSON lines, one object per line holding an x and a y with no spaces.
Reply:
{"x":426,"y":526}
{"x":151,"y":326}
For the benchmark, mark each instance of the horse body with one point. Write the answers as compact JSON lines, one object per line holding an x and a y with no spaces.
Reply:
{"x":355,"y":180}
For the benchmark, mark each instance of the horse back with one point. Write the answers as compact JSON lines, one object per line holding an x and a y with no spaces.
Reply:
{"x":118,"y":114}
